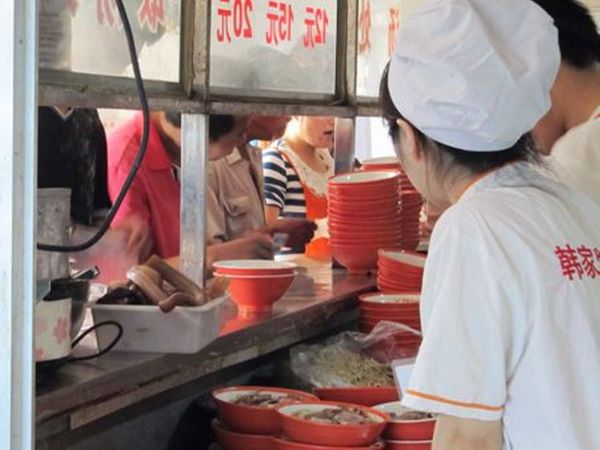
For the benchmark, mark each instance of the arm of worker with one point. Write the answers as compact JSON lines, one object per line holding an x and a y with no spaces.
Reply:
{"x":472,"y":338}
{"x":452,"y":433}
{"x":299,"y":231}
{"x":133,"y":216}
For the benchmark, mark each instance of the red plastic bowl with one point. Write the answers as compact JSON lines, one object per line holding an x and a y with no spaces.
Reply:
{"x":360,"y":180}
{"x":360,"y":395}
{"x":258,"y":293}
{"x":249,"y":419}
{"x":286,"y":444}
{"x":316,"y":433}
{"x":230,"y":440}
{"x":400,"y":301}
{"x":254,"y":267}
{"x":356,"y":259}
{"x":402,"y":260}
{"x":406,"y":430}
{"x":411,"y":316}
{"x":365,"y":214}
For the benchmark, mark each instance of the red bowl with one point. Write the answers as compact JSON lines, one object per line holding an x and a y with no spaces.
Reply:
{"x":410,"y":316}
{"x":406,"y":430}
{"x":415,"y":325}
{"x":254,"y":267}
{"x":230,"y":440}
{"x":366,"y":224}
{"x":360,"y":180}
{"x":360,"y":395}
{"x":356,"y":259}
{"x":359,"y":196}
{"x":409,"y":284}
{"x":404,"y":260}
{"x":385,"y":271}
{"x":257,"y":293}
{"x":408,"y":445}
{"x":406,"y":300}
{"x":250,"y":419}
{"x":286,"y":444}
{"x":316,"y":433}
{"x":351,"y":241}
{"x":335,"y":203}
{"x":387,"y":288}
{"x":365,"y":214}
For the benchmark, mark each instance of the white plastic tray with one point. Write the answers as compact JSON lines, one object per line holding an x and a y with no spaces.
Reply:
{"x":148,"y":329}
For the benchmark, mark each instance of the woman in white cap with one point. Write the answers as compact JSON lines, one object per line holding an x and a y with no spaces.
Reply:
{"x":510,"y":305}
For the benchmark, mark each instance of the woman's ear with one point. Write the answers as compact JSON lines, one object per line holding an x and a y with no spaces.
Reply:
{"x":409,"y":141}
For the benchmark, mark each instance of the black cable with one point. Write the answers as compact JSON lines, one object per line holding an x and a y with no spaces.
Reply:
{"x":103,"y":351}
{"x":138,"y":159}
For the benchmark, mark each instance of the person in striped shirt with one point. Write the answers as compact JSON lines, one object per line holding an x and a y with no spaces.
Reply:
{"x":298,"y":162}
{"x":296,"y":169}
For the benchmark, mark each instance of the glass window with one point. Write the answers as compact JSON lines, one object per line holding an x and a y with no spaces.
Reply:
{"x":87,"y":36}
{"x":274,"y":45}
{"x":378,"y":24}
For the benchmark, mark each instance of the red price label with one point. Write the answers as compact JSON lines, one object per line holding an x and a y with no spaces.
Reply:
{"x":241,"y":23}
{"x":152,"y":14}
{"x":281,"y":18}
{"x":106,"y":12}
{"x":393,"y":27}
{"x":364,"y":27}
{"x":316,"y":22}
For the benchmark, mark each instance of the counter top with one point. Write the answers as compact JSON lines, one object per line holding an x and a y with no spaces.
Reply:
{"x":320,"y":299}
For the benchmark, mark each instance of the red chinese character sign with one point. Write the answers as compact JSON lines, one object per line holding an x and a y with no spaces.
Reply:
{"x":283,"y":45}
{"x":378,"y":24}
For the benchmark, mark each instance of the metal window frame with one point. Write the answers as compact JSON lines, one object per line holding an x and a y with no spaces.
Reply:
{"x":18,"y":91}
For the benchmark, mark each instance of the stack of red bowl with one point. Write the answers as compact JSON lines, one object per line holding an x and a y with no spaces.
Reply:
{"x":255,"y":285}
{"x":243,"y":425}
{"x":400,"y":271}
{"x":407,"y":430}
{"x":412,"y":203}
{"x":364,"y":216}
{"x":400,"y":308}
{"x":411,"y":200}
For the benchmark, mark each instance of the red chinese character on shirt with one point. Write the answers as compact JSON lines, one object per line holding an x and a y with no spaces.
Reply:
{"x":364,"y":26}
{"x":152,"y":14}
{"x":106,"y":12}
{"x":393,"y":27}
{"x":588,"y":264}
{"x":569,"y":262}
{"x":316,"y":22}
{"x":280,"y":17}
{"x":242,"y":26}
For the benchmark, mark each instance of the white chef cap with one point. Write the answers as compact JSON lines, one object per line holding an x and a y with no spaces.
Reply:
{"x":475,"y":74}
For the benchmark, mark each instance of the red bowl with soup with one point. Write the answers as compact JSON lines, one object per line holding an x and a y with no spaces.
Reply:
{"x":253,"y":409}
{"x":332,"y":423}
{"x":359,"y":395}
{"x":406,"y":424}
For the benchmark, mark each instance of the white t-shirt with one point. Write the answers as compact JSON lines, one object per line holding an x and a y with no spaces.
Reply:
{"x":577,"y":155}
{"x":507,"y":333}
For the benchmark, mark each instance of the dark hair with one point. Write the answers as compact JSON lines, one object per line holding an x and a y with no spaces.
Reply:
{"x":577,"y":32}
{"x":174,"y":118}
{"x":474,"y":162}
{"x":219,"y":125}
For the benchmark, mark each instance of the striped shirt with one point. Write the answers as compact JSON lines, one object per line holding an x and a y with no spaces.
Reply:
{"x":282,"y":185}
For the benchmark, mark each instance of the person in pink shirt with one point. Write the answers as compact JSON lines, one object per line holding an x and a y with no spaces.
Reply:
{"x":151,"y":209}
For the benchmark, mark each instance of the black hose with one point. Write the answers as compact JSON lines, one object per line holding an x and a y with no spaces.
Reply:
{"x":108,"y":348}
{"x":138,"y":160}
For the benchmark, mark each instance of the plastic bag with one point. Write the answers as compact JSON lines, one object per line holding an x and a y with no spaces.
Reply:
{"x":354,"y":359}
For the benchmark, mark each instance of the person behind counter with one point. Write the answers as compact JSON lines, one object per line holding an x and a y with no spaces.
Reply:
{"x":153,"y":201}
{"x":296,"y":170}
{"x":509,"y":304}
{"x":571,"y":129}
{"x":235,"y":191}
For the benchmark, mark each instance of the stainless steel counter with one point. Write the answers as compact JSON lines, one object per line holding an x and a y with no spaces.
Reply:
{"x":320,"y":301}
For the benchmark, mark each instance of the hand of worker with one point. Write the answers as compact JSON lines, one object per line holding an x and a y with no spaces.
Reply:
{"x":251,"y":246}
{"x":299,"y":231}
{"x":139,"y":237}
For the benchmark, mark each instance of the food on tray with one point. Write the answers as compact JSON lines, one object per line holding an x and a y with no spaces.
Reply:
{"x":337,"y":416}
{"x":266,"y":400}
{"x":410,"y":415}
{"x":353,"y":369}
{"x":157,"y":283}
